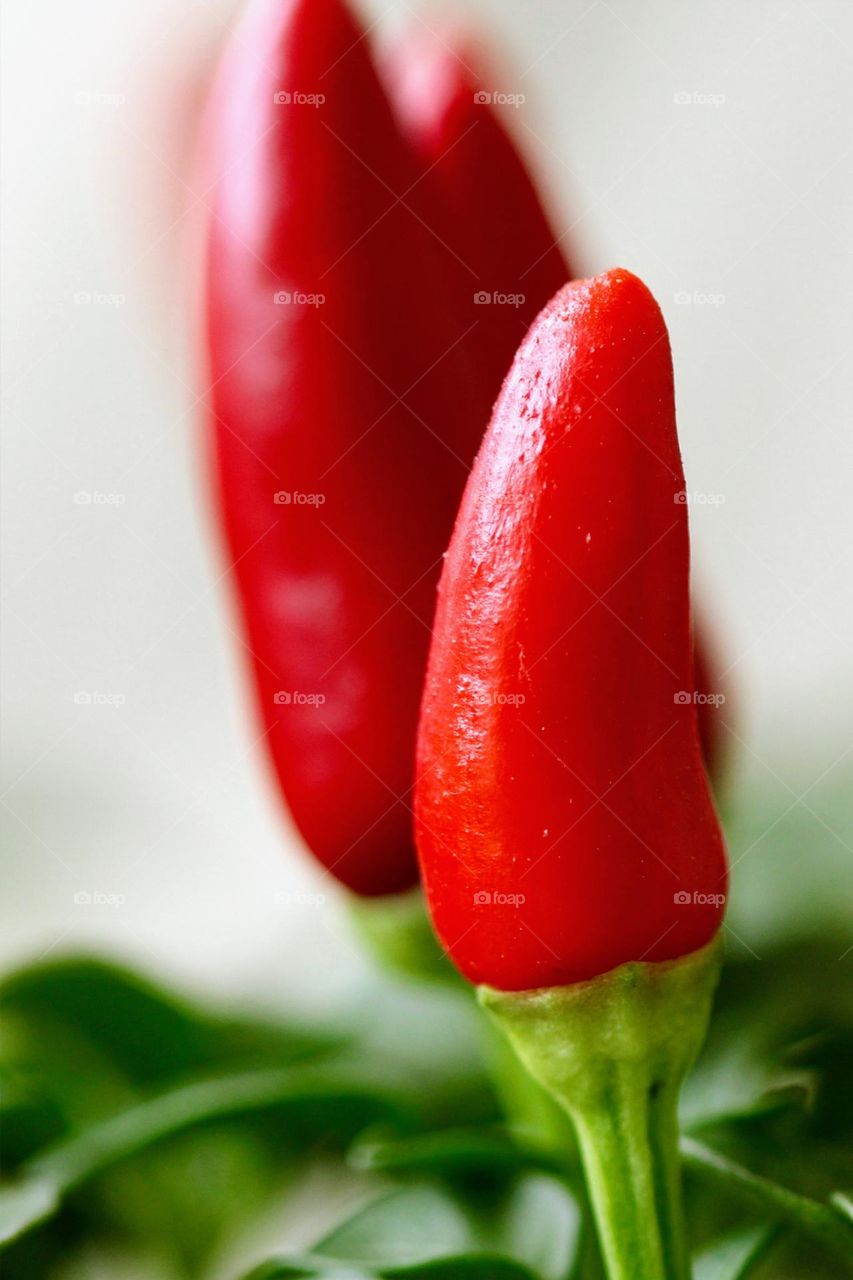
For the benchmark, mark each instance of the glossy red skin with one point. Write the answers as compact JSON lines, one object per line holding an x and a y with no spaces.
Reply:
{"x":480,"y":197}
{"x":566,"y":584}
{"x":337,"y":599}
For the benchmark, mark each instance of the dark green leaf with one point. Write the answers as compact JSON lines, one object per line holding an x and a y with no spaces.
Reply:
{"x":822,"y":1223}
{"x":735,"y":1256}
{"x":534,"y":1222}
{"x":528,"y":1230}
{"x":147,"y":1033}
{"x":446,"y":1152}
{"x":462,"y":1268}
{"x":322,"y":1101}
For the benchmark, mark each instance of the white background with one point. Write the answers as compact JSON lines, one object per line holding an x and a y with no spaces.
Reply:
{"x":744,"y":191}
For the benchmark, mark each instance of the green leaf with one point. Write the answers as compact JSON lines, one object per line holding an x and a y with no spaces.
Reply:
{"x":529,"y":1229}
{"x":313,"y":1099}
{"x":534,"y":1222}
{"x":147,"y":1033}
{"x":433,"y":1036}
{"x":26,"y":1204}
{"x":798,"y":1052}
{"x":825,"y":1224}
{"x":462,"y":1268}
{"x":448,"y":1152}
{"x":792,"y":874}
{"x":842,"y":1201}
{"x":829,"y":1224}
{"x":735,"y":1256}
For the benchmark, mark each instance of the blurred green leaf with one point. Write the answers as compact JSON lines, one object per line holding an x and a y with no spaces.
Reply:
{"x":821,"y":1222}
{"x":530,"y":1228}
{"x":316,"y":1101}
{"x":25,"y":1205}
{"x":148,"y":1033}
{"x":446,"y":1153}
{"x":735,"y":1256}
{"x":461,"y":1268}
{"x":535,"y":1222}
{"x":826,"y":1224}
{"x":789,"y":831}
{"x":781,"y":1036}
{"x":433,"y":1035}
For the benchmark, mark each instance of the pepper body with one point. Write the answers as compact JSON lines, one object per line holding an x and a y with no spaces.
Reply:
{"x":503,"y":258}
{"x":337,"y":403}
{"x":564,"y":821}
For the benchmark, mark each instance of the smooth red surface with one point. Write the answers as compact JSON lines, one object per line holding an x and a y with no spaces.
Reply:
{"x":555,"y":760}
{"x":479,"y":196}
{"x":360,"y":400}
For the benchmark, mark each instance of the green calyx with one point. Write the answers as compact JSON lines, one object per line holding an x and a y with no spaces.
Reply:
{"x":613,"y":1052}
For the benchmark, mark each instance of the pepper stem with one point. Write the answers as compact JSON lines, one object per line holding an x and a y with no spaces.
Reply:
{"x":613,"y":1052}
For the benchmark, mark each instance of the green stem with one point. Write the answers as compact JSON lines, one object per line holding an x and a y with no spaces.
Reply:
{"x":621,"y":1181}
{"x":666,"y":1158}
{"x":613,"y":1052}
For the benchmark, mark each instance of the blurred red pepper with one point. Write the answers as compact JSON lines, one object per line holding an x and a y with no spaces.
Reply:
{"x":338,"y":404}
{"x":325,"y":230}
{"x":564,"y":822}
{"x":505,"y":258}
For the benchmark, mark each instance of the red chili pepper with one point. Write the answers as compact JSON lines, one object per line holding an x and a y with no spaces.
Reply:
{"x":504,"y":258}
{"x":338,"y":404}
{"x":564,"y":822}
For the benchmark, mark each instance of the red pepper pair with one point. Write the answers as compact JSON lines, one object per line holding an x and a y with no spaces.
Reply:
{"x":352,"y":372}
{"x":375,"y":257}
{"x":362,"y":269}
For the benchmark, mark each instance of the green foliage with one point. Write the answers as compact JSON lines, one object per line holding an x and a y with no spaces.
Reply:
{"x":527,"y":1228}
{"x":139,"y":1121}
